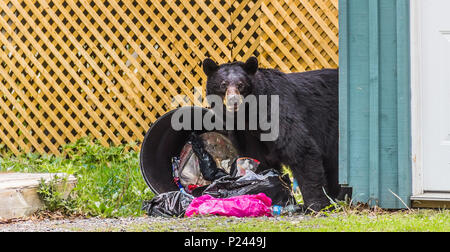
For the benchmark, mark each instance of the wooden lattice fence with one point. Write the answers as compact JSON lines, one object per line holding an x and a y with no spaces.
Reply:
{"x":110,"y":68}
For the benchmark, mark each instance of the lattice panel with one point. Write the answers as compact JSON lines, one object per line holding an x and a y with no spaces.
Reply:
{"x":299,"y":35}
{"x":245,"y":29}
{"x":110,"y":68}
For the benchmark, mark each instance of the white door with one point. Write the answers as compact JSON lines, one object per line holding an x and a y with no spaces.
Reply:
{"x":434,"y":80}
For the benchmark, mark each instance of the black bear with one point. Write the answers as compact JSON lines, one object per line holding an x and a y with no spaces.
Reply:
{"x":308,"y":122}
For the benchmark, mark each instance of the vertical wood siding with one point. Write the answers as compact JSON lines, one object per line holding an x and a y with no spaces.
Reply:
{"x":375,"y":135}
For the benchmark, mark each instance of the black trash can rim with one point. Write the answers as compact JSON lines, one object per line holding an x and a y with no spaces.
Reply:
{"x":162,"y":161}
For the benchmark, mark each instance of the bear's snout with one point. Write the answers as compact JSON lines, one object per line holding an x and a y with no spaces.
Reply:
{"x":233,"y":99}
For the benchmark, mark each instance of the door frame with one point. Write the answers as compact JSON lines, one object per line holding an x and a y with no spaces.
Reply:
{"x":416,"y":99}
{"x":418,"y":192}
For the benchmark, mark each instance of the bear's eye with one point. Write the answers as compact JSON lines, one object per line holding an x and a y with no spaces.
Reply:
{"x":223,"y":85}
{"x":240,"y":85}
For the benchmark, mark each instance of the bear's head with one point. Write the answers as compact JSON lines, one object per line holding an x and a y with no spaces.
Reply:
{"x":232,"y":81}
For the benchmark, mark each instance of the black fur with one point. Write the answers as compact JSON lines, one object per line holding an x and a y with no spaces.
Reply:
{"x":308,"y":139}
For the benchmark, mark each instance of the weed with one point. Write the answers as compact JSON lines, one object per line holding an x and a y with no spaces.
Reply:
{"x":53,"y":196}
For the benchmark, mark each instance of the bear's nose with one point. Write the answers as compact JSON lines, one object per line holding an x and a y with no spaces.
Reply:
{"x":232,"y":99}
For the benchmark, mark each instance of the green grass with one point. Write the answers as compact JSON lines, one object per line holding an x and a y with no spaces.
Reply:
{"x":109,"y":179}
{"x":418,"y":221}
{"x":367,"y":221}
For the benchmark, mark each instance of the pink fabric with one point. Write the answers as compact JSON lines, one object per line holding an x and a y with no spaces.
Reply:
{"x":239,"y":206}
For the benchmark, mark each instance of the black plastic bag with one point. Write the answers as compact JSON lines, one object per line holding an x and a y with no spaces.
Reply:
{"x":170,"y":204}
{"x":208,"y":166}
{"x":269,"y":182}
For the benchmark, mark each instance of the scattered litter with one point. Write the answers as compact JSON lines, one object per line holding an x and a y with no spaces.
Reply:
{"x":242,"y":165}
{"x":287,"y":210}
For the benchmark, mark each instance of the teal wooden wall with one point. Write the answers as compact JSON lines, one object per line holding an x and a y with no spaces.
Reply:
{"x":375,"y":135}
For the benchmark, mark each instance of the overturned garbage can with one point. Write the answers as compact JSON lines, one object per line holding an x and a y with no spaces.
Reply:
{"x":188,"y":163}
{"x":162,"y":142}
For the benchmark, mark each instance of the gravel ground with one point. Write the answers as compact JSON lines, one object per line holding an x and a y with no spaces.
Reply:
{"x":140,"y":224}
{"x":72,"y":225}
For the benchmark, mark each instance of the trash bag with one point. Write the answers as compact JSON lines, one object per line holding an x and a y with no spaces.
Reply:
{"x":170,"y":204}
{"x":208,"y":166}
{"x":243,"y":164}
{"x":269,"y":182}
{"x":203,"y":159}
{"x":187,"y":168}
{"x":239,"y":206}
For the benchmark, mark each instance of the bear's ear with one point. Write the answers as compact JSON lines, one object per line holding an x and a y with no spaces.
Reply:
{"x":251,"y":65}
{"x":209,"y":66}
